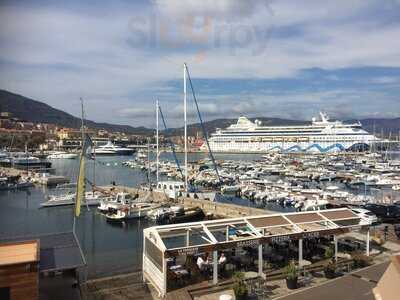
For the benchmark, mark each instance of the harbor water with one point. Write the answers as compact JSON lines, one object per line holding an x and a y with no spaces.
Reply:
{"x":109,"y":248}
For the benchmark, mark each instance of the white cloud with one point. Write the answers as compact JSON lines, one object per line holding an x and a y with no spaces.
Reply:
{"x":58,"y":55}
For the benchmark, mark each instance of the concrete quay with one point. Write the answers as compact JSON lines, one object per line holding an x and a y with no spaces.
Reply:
{"x":218,"y":209}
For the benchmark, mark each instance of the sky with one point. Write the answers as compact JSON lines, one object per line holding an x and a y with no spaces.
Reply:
{"x":284,"y":58}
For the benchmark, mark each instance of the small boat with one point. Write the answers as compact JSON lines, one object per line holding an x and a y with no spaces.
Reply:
{"x":132,"y":211}
{"x":26,"y":161}
{"x":229,"y":189}
{"x":141,"y":154}
{"x":91,"y":199}
{"x":113,"y":204}
{"x":62,"y":155}
{"x":182,"y":216}
{"x":172,"y":189}
{"x":14,"y":183}
{"x":316,"y":204}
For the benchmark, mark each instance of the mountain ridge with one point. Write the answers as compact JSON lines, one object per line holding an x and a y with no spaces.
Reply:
{"x":38,"y":112}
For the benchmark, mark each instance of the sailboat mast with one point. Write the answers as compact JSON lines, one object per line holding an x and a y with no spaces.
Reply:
{"x":148,"y":162}
{"x":82,"y":124}
{"x":157,"y":144}
{"x":185,"y":125}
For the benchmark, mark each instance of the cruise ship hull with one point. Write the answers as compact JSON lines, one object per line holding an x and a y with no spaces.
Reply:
{"x":320,"y":137}
{"x":257,"y":147}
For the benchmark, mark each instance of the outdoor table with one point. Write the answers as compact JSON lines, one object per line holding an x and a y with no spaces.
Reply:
{"x":322,"y":246}
{"x":304,"y":263}
{"x":343,"y":255}
{"x":347,"y":244}
{"x":181,"y":272}
{"x":316,"y":258}
{"x":276,"y":257}
{"x":177,"y":267}
{"x":250,"y":275}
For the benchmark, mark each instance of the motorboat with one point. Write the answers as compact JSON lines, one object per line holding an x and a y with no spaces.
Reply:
{"x":111,"y":149}
{"x":180,"y":215}
{"x":365,"y":214}
{"x":141,"y":154}
{"x":62,"y":155}
{"x":313,"y":204}
{"x":228,"y":189}
{"x":19,"y":160}
{"x":171,"y":189}
{"x":90,"y":199}
{"x":14,"y":183}
{"x":131,"y":211}
{"x":113,"y":204}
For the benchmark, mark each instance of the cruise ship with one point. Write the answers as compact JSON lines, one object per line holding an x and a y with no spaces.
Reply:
{"x":320,"y":136}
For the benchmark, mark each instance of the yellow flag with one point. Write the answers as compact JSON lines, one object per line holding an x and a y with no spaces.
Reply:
{"x":80,"y":188}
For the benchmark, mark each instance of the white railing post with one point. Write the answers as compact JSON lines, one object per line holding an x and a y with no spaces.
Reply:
{"x":215,"y":267}
{"x":260,"y":260}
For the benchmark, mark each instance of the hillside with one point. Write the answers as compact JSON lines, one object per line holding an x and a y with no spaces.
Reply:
{"x":38,"y":112}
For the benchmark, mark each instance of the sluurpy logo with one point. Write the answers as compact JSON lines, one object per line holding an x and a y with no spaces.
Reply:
{"x":197,"y":34}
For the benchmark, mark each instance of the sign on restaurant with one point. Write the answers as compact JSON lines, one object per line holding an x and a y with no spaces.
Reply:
{"x":254,"y":241}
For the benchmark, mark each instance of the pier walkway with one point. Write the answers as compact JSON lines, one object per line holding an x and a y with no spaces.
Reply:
{"x":223,"y":210}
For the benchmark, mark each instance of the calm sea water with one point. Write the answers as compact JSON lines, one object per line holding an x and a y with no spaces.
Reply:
{"x":109,"y":249}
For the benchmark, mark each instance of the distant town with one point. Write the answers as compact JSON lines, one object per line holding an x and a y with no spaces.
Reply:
{"x":17,"y":134}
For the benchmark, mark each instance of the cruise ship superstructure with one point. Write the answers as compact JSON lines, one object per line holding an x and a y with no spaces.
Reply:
{"x":320,"y":136}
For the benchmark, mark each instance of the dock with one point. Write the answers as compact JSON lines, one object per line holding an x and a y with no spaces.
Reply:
{"x":217,"y":209}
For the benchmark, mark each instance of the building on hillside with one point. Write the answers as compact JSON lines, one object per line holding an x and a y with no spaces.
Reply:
{"x":5,"y":115}
{"x":68,"y":133}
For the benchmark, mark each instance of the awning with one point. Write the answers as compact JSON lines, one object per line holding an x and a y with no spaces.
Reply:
{"x":58,"y":252}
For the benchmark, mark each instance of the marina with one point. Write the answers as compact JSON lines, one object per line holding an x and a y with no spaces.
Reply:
{"x":207,"y":218}
{"x":127,"y":202}
{"x":199,"y":150}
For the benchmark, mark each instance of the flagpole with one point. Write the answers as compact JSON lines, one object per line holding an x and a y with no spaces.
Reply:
{"x":185,"y":126}
{"x":83,"y":135}
{"x":157,"y":152}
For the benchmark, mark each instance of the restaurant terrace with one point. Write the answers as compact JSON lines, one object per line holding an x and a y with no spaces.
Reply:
{"x":165,"y":243}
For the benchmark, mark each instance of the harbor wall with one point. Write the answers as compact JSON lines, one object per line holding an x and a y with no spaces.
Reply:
{"x":225,"y":210}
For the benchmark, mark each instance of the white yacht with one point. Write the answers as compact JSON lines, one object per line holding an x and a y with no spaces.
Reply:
{"x":133,"y":211}
{"x":320,"y":136}
{"x":91,"y":199}
{"x":111,"y":149}
{"x":171,"y":189}
{"x":115,"y":203}
{"x":62,"y":155}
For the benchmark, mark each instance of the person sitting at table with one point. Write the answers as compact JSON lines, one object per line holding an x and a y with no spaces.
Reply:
{"x":208,"y":264}
{"x":200,"y":263}
{"x":208,"y":259}
{"x":222,"y":263}
{"x":222,"y":259}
